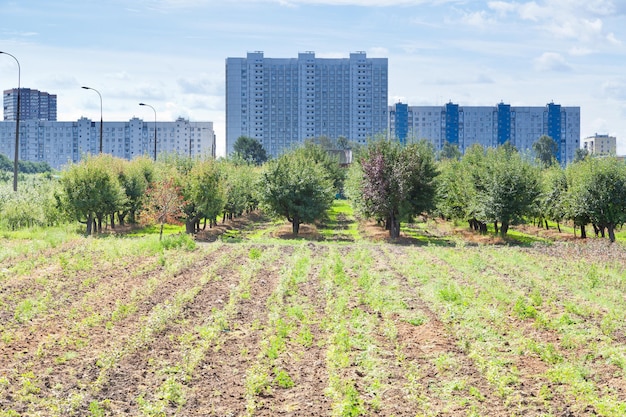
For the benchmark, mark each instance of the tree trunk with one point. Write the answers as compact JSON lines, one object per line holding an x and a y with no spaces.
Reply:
{"x":504,"y":229}
{"x":190,"y":225}
{"x":161,"y":232}
{"x":547,"y":226}
{"x":583,"y":232}
{"x":495,"y":226}
{"x":112,"y":220}
{"x":295,"y":226}
{"x":394,"y":226}
{"x":89,"y":224}
{"x":558,"y":226}
{"x":611,"y":229}
{"x":121,"y":216}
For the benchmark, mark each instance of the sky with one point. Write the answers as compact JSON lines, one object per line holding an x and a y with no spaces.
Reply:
{"x":171,"y":53}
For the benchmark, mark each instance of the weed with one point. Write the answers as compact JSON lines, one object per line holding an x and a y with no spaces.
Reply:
{"x":282,"y":378}
{"x":178,"y":241}
{"x":524,"y":310}
{"x":475,"y":392}
{"x":254,"y":253}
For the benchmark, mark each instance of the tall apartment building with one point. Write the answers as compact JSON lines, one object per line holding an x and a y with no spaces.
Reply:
{"x":601,"y":145}
{"x":488,"y":126}
{"x":283,"y":101}
{"x":59,"y":143}
{"x":34,"y":104}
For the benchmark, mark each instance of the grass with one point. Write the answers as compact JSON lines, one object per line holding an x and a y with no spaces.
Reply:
{"x":340,"y":224}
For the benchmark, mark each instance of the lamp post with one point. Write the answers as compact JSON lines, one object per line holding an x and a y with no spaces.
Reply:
{"x":17,"y":122}
{"x":155,"y":128}
{"x":99,"y":95}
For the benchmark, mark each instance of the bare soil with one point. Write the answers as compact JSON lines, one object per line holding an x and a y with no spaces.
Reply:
{"x":76,"y":355}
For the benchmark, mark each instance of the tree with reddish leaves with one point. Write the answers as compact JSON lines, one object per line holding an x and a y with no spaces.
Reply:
{"x":394,"y":183}
{"x":164,"y":203}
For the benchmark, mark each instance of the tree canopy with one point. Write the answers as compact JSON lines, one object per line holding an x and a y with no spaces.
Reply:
{"x":545,"y":149}
{"x":296,"y":187}
{"x":394,"y":183}
{"x":250,"y":150}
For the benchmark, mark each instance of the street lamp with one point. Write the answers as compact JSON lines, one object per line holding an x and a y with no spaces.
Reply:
{"x":155,"y":128}
{"x":99,"y":95}
{"x":17,"y":122}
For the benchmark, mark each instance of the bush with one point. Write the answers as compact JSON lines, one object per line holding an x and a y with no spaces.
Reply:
{"x":181,"y":240}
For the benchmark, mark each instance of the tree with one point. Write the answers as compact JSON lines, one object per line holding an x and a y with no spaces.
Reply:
{"x":597,"y":194}
{"x":240,"y":187}
{"x":495,"y":185}
{"x":204,"y":194}
{"x":455,"y":191}
{"x":580,"y":154}
{"x":395,"y":182}
{"x":512,"y":187}
{"x":343,"y":143}
{"x":545,"y":149}
{"x":164,"y":203}
{"x":296,"y":187}
{"x":450,"y":151}
{"x":330,"y":163}
{"x":135,"y":177}
{"x":551,"y":200}
{"x":250,"y":150}
{"x":90,"y":189}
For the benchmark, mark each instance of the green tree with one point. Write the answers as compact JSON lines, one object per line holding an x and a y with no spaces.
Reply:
{"x":240,"y":187}
{"x":296,"y":187}
{"x":204,"y":194}
{"x":135,"y":177}
{"x":396,"y":182}
{"x":495,"y":185}
{"x":250,"y":150}
{"x":552,"y":197}
{"x":450,"y":151}
{"x":330,"y":163}
{"x":580,"y":154}
{"x":597,"y":194}
{"x":511,"y":187}
{"x":455,"y":191}
{"x":89,"y":189}
{"x":545,"y":149}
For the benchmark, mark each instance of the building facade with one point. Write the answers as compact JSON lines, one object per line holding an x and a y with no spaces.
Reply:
{"x":34,"y":104}
{"x":283,"y":101}
{"x":601,"y":145}
{"x":488,"y":126}
{"x":60,"y":143}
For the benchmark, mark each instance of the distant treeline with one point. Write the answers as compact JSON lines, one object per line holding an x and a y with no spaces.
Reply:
{"x":25,"y":167}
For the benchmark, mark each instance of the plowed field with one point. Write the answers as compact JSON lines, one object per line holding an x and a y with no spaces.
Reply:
{"x":329,"y":324}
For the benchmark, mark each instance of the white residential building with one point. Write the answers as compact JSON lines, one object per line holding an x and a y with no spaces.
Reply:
{"x":283,"y":101}
{"x":59,"y":143}
{"x":601,"y":145}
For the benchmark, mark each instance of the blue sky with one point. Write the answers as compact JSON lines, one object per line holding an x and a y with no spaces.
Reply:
{"x":171,"y":53}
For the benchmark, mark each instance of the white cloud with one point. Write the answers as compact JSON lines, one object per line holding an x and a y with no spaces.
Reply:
{"x":613,"y":40}
{"x":614,"y":89}
{"x":366,"y":3}
{"x":479,"y":19}
{"x":579,"y":20}
{"x":552,"y":61}
{"x":377,"y":51}
{"x":580,"y":51}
